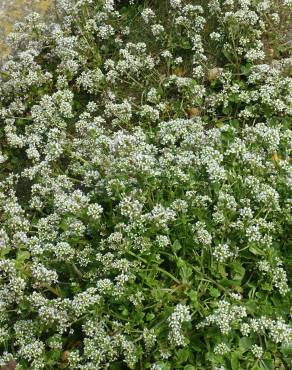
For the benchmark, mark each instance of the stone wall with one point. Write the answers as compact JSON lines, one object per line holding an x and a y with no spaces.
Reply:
{"x":12,"y":11}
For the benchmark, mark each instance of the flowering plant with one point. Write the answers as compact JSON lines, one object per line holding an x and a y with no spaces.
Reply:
{"x":145,"y":187}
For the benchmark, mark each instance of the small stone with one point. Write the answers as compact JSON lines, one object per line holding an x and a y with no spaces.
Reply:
{"x":194,"y":112}
{"x":213,"y":73}
{"x":10,"y":366}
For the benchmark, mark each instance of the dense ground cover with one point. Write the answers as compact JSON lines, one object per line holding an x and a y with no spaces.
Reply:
{"x":145,"y":194}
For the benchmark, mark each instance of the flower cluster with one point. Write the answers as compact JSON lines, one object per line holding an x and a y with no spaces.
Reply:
{"x":145,"y":186}
{"x":180,"y":315}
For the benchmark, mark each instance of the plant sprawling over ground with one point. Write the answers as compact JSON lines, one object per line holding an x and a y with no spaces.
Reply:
{"x":145,"y":187}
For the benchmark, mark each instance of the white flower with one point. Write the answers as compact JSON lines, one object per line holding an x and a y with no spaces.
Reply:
{"x":147,"y":15}
{"x":257,"y":351}
{"x":222,"y":252}
{"x":157,"y":29}
{"x":180,"y":315}
{"x":221,"y":349}
{"x":94,"y":210}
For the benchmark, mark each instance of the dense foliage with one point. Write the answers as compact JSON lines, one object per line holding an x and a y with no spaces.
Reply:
{"x":145,"y":187}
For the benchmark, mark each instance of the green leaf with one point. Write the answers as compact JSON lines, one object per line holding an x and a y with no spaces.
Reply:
{"x":176,"y":246}
{"x":252,"y":306}
{"x":256,"y":250}
{"x":256,"y":367}
{"x":186,"y":273}
{"x":234,"y":361}
{"x":244,"y":344}
{"x":286,"y":349}
{"x":226,"y":110}
{"x":245,"y":69}
{"x":267,"y":286}
{"x":214,"y":292}
{"x":150,"y":316}
{"x":267,"y":364}
{"x":182,"y":355}
{"x":4,"y":251}
{"x":238,"y":269}
{"x":193,"y":295}
{"x":125,"y":312}
{"x":22,"y":256}
{"x":222,"y":270}
{"x":229,"y":283}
